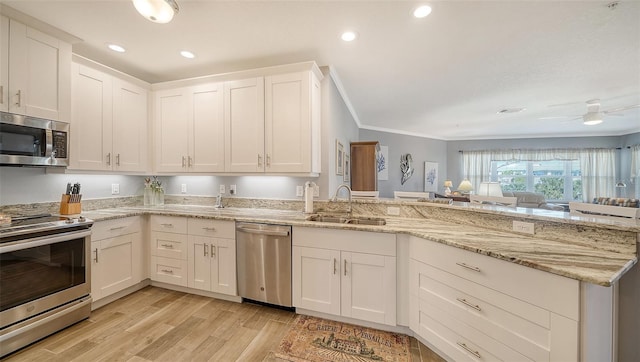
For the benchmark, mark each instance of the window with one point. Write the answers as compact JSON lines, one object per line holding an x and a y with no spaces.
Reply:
{"x":556,"y":180}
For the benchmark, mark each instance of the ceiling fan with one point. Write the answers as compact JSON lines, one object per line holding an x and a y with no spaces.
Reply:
{"x":594,"y":115}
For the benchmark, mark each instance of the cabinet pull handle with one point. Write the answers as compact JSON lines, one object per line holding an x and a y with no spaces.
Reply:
{"x":184,"y":161}
{"x":470,"y":267}
{"x":189,"y":161}
{"x":109,"y":159}
{"x":19,"y":95}
{"x":96,"y":258}
{"x":168,"y":246}
{"x":467,"y":303}
{"x":259,"y":160}
{"x":118,"y":159}
{"x":1,"y":94}
{"x":213,"y":251}
{"x":205,"y":249}
{"x":345,"y":267}
{"x":209,"y":228}
{"x":168,"y":271}
{"x":335,"y":269}
{"x":117,"y":228}
{"x":268,"y":160}
{"x":475,"y":353}
{"x":167,"y":225}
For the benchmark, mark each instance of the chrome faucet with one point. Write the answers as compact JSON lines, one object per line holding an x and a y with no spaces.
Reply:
{"x":219,"y":202}
{"x":335,"y":197}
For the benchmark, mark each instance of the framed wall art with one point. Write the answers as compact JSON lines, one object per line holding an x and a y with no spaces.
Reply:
{"x":347,"y":169}
{"x":339,"y":158}
{"x":431,"y":176}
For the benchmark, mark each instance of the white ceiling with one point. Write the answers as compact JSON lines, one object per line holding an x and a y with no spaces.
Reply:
{"x":444,"y":76}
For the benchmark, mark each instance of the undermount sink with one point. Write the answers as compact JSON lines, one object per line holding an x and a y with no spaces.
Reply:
{"x":348,"y":220}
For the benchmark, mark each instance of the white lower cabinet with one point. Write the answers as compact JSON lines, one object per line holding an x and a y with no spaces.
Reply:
{"x":472,"y":307}
{"x":194,"y":253}
{"x":212,"y":260}
{"x":353,"y":274}
{"x":117,"y":256}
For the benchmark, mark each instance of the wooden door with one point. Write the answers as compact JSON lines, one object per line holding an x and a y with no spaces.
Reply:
{"x":364,"y":172}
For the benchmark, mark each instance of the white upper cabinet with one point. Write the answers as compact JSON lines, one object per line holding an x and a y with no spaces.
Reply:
{"x":256,"y":121}
{"x":244,"y":117}
{"x":190,"y":129}
{"x":109,"y":122}
{"x":35,"y":76}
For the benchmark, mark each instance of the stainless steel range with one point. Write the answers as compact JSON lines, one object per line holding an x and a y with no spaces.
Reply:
{"x":45,"y":277}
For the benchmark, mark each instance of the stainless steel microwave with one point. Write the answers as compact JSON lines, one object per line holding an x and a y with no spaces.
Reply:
{"x":30,"y":141}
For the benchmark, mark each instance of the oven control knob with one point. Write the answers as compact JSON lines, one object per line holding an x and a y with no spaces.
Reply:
{"x":82,"y":219}
{"x":69,"y":221}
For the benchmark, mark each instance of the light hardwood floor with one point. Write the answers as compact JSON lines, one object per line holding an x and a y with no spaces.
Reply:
{"x":156,"y":324}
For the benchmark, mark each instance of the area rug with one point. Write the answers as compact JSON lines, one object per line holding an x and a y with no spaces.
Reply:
{"x":320,"y":340}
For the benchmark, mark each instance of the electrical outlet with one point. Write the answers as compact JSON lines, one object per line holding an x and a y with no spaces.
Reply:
{"x":115,"y":189}
{"x":222,"y":189}
{"x":183,"y":188}
{"x":299,"y":191}
{"x":394,"y":211}
{"x":316,"y":191}
{"x":232,"y":189}
{"x":524,"y":227}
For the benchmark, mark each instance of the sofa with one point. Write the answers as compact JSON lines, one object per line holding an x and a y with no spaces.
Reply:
{"x":532,"y":200}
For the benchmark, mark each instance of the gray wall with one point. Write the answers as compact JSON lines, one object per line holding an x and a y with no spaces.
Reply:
{"x":421,"y":150}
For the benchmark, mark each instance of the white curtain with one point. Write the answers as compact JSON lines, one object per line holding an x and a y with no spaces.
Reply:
{"x":597,"y":165}
{"x":598,"y":168}
{"x":635,"y":168}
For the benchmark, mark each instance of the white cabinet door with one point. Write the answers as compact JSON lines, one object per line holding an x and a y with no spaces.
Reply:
{"x":129,"y":127}
{"x":91,"y":119}
{"x":96,"y":286}
{"x":4,"y":63}
{"x":116,"y":264}
{"x":40,"y":82}
{"x":206,"y":129}
{"x":244,"y":121}
{"x":288,"y":123}
{"x":316,"y":279}
{"x":368,"y":287}
{"x":171,"y":122}
{"x":199,"y":275}
{"x":223,"y":266}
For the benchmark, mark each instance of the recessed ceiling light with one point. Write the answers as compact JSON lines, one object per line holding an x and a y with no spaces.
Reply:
{"x":187,"y":54}
{"x":349,"y":36}
{"x":116,"y":48}
{"x":511,"y":110}
{"x":422,"y":11}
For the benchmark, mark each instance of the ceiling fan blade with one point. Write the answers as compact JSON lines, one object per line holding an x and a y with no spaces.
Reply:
{"x":621,"y":109}
{"x":558,"y":117}
{"x":572,"y":119}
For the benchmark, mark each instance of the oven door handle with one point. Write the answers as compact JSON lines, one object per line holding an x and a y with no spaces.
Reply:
{"x":44,"y":240}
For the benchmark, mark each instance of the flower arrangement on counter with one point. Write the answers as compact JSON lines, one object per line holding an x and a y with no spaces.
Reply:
{"x":153,"y":192}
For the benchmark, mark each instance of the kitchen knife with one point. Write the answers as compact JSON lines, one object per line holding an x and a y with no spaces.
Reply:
{"x":68,"y":189}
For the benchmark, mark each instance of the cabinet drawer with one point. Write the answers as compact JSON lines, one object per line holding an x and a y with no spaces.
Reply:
{"x":169,"y":245}
{"x":521,"y":326}
{"x":459,"y":341}
{"x":112,"y":228}
{"x":171,"y":224}
{"x":561,"y":295}
{"x":213,"y":228}
{"x":168,"y":270}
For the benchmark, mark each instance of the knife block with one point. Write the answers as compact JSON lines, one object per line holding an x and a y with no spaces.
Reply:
{"x":70,"y":204}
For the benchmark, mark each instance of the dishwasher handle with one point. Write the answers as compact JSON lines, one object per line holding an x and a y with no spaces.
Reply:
{"x":272,"y":232}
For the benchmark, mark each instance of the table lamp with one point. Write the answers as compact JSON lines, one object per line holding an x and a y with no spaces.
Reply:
{"x":447,"y":187}
{"x":489,"y":189}
{"x":465,"y":186}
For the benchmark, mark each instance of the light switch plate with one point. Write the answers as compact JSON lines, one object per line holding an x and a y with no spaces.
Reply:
{"x":222,"y":189}
{"x":316,"y":191}
{"x":232,"y":189}
{"x":183,"y":188}
{"x":394,"y":211}
{"x":115,"y":189}
{"x":299,"y":191}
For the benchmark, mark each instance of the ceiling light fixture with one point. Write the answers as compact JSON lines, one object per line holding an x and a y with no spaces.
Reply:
{"x":592,"y":118}
{"x":422,"y":11}
{"x":511,"y":110}
{"x":349,"y":36}
{"x":187,"y":54}
{"x":116,"y":48}
{"x":158,"y":11}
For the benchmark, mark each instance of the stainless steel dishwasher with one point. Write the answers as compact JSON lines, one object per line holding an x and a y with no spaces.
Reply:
{"x":264,"y":262}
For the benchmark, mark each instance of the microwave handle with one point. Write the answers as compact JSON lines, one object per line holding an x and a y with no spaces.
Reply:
{"x":48,"y":152}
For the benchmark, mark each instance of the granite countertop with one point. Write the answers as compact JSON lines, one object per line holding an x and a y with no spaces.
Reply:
{"x":584,"y":263}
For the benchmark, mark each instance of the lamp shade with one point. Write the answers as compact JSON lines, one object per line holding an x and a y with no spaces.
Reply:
{"x":465,"y":186}
{"x":158,"y":11}
{"x":490,"y":189}
{"x":448,"y":183}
